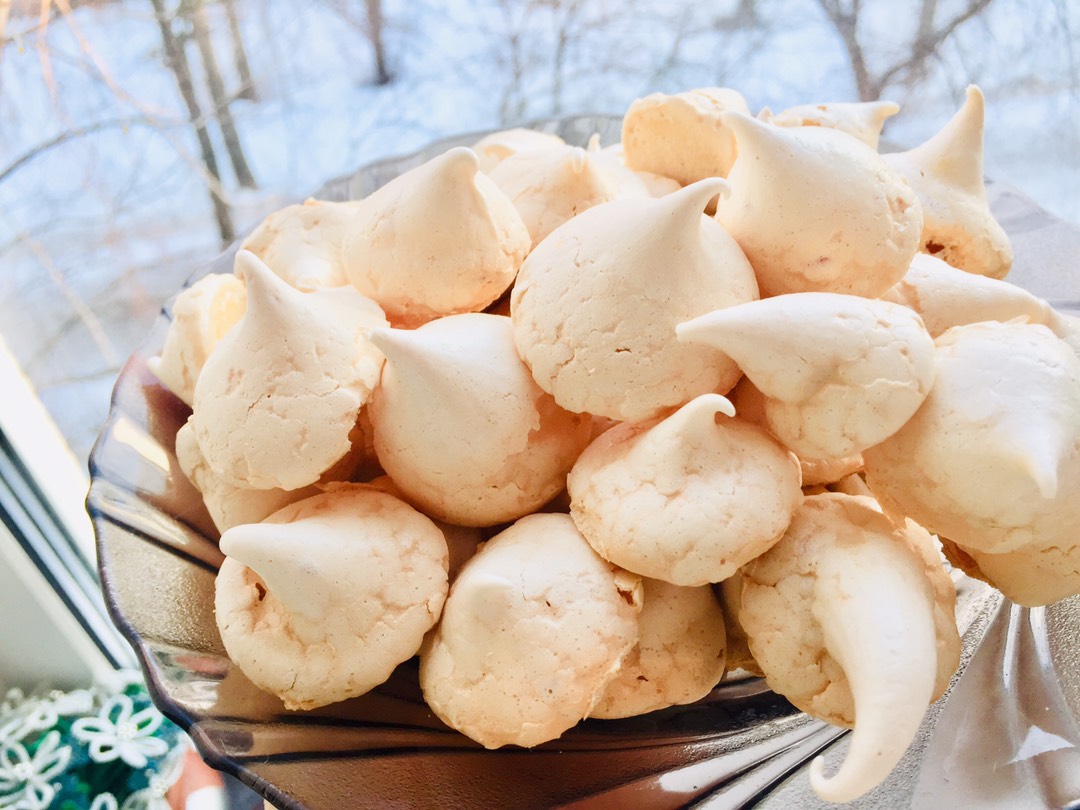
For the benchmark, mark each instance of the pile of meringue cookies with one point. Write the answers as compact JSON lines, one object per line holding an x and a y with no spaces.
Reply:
{"x":586,"y":428}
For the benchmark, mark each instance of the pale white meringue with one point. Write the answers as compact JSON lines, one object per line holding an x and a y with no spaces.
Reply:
{"x":278,"y":399}
{"x":595,"y":305}
{"x":437,"y":240}
{"x":460,"y":426}
{"x":863,"y":120}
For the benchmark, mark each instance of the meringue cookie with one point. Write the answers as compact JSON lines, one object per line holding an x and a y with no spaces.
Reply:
{"x":535,"y":627}
{"x":325,"y":598}
{"x":655,"y":184}
{"x":839,"y":373}
{"x":229,"y":505}
{"x":549,"y":186}
{"x":946,"y":173}
{"x":437,"y":240}
{"x":493,"y":149}
{"x":682,"y":136}
{"x":992,"y":458}
{"x":1032,"y":576}
{"x":302,"y":243}
{"x":461,"y":427}
{"x":815,"y":209}
{"x":462,"y":542}
{"x":687,"y":499}
{"x":862,"y":120}
{"x":680,"y":655}
{"x":278,"y":399}
{"x":201,"y":315}
{"x":596,"y":303}
{"x":945,"y":296}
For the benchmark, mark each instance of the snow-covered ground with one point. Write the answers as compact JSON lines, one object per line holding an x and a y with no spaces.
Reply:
{"x":96,"y":232}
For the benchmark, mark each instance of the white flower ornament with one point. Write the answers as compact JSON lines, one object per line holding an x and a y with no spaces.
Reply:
{"x":118,"y":732}
{"x":26,"y":781}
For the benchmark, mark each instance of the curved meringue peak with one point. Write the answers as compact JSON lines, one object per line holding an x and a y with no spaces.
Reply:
{"x":946,"y":297}
{"x":302,"y":243}
{"x":492,"y":149}
{"x":838,"y":373}
{"x":868,"y":637}
{"x":687,"y":499}
{"x":201,"y":315}
{"x":279,"y":397}
{"x":496,"y":446}
{"x":862,"y":120}
{"x":437,"y":240}
{"x":946,"y":173}
{"x":634,"y":268}
{"x":993,"y":467}
{"x":318,"y":603}
{"x":552,"y":185}
{"x":815,"y":209}
{"x":682,"y":136}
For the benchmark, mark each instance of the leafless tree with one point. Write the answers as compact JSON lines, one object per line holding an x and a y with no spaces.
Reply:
{"x":930,"y":34}
{"x":195,"y":12}
{"x":247,"y":89}
{"x":177,"y":60}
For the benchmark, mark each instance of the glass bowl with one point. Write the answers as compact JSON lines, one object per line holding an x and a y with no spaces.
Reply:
{"x":1019,"y":683}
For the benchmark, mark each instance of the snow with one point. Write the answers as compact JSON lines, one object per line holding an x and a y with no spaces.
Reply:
{"x":111,"y":223}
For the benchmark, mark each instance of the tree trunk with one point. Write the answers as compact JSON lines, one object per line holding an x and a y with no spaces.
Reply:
{"x":181,"y":70}
{"x":375,"y":27}
{"x":201,"y":28}
{"x":243,"y":68}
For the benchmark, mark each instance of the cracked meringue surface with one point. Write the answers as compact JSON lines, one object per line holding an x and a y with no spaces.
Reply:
{"x":595,"y":306}
{"x":277,"y":400}
{"x":322,"y":600}
{"x":535,"y":627}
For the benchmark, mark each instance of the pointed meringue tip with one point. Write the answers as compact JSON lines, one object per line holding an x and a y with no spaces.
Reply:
{"x":884,"y":109}
{"x":696,"y":196}
{"x":712,"y":404}
{"x":239,"y":541}
{"x":248,"y":266}
{"x":579,"y":158}
{"x":822,"y":785}
{"x":388,"y":340}
{"x":766,"y":115}
{"x":459,"y":160}
{"x":704,"y":328}
{"x":594,"y":143}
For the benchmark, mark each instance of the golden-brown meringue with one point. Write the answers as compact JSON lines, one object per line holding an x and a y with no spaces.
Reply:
{"x":536,"y":625}
{"x":862,"y":120}
{"x":322,"y":600}
{"x":947,"y":174}
{"x":280,"y":395}
{"x":201,"y":315}
{"x":437,"y":240}
{"x":302,"y":243}
{"x":461,"y":427}
{"x":596,"y":303}
{"x":817,"y":210}
{"x":838,"y":373}
{"x":682,"y":136}
{"x":686,"y":499}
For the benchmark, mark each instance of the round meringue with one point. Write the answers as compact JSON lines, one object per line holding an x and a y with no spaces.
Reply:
{"x":679,"y":657}
{"x":552,"y":185}
{"x":437,"y":240}
{"x":278,"y":399}
{"x":687,"y":499}
{"x":992,"y":458}
{"x":201,"y":315}
{"x":945,"y":296}
{"x":946,"y":173}
{"x":302,"y":243}
{"x":493,"y":149}
{"x":462,"y":429}
{"x":596,"y":303}
{"x":839,"y":373}
{"x":815,"y":209}
{"x":536,"y":625}
{"x":682,"y":136}
{"x":322,"y":600}
{"x":862,"y":120}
